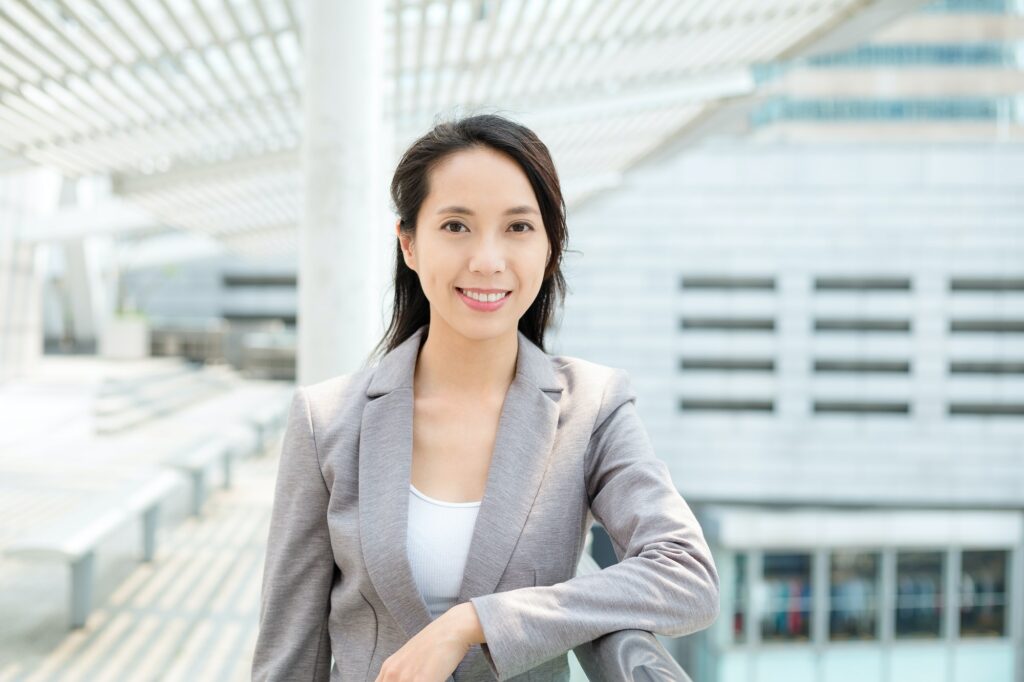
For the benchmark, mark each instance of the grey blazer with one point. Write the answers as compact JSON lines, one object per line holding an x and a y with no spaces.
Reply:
{"x":570,"y":449}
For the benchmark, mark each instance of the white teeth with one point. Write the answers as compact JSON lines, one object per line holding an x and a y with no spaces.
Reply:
{"x":485,"y":298}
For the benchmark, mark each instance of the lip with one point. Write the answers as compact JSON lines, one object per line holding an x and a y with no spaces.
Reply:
{"x":480,"y":305}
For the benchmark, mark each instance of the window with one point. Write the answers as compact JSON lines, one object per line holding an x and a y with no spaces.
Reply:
{"x":853,"y":612}
{"x":983,"y":596}
{"x":787,"y":583}
{"x":739,"y":619}
{"x":919,"y":594}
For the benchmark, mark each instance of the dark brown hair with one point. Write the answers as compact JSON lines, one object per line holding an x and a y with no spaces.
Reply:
{"x":410,"y":186}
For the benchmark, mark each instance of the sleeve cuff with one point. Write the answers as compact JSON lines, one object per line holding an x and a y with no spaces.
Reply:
{"x":496,"y":649}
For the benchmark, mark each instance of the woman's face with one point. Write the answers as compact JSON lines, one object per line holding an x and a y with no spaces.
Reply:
{"x":478,"y":228}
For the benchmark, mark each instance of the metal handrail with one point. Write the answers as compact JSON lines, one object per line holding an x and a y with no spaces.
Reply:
{"x":625,"y":654}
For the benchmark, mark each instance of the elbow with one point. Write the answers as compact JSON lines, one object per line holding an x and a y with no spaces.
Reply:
{"x":699,"y":615}
{"x":713,"y":607}
{"x":702,"y":607}
{"x":712,"y":601}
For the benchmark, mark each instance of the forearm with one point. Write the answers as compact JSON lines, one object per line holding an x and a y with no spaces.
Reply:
{"x":467,"y":624}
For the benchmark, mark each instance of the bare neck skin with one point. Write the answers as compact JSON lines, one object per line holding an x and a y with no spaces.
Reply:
{"x":451,"y":365}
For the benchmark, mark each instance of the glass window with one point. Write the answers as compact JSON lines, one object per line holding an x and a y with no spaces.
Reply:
{"x":919,"y":594}
{"x":739,"y":619}
{"x":787,"y":582}
{"x":853,"y":595}
{"x":983,"y":596}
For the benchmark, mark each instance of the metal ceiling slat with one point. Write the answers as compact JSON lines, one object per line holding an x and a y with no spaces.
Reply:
{"x":43,"y":126}
{"x":417,"y":70}
{"x":286,"y":117}
{"x":455,"y":82}
{"x":195,"y":85}
{"x":513,"y":64}
{"x":434,"y":101}
{"x":87,"y":59}
{"x":761,"y":47}
{"x":67,"y":162}
{"x":574,"y":72}
{"x":87,"y":27}
{"x":33,"y":124}
{"x":731,"y":39}
{"x":20,"y":96}
{"x":792,"y":27}
{"x":30,"y":36}
{"x":238,"y":118}
{"x":478,"y":82}
{"x":530,"y":57}
{"x":293,"y":19}
{"x":241,"y":79}
{"x":507,"y":60}
{"x":143,"y":58}
{"x":285,"y":67}
{"x":396,"y":56}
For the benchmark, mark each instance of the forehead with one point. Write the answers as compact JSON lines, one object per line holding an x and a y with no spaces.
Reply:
{"x":482,"y":177}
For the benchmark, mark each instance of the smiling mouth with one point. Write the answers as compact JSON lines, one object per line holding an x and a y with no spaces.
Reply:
{"x":487,"y":293}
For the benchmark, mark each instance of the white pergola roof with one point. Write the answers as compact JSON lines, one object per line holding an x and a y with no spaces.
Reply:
{"x":193,"y":107}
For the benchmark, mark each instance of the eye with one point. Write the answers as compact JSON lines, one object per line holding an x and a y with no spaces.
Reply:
{"x":451,"y":222}
{"x":528,"y":227}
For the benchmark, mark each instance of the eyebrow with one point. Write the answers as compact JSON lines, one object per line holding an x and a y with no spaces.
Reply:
{"x":515,"y":210}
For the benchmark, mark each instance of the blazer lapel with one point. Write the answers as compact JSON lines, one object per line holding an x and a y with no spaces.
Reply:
{"x":526,"y":434}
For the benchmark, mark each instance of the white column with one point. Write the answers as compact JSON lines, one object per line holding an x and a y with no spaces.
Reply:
{"x":338,"y":310}
{"x":22,"y":196}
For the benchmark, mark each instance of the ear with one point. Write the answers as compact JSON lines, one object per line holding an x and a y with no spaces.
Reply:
{"x":405,"y":243}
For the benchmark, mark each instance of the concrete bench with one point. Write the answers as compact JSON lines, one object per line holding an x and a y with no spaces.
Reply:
{"x":73,"y":538}
{"x":195,"y":460}
{"x":126,"y":403}
{"x":269,"y":419}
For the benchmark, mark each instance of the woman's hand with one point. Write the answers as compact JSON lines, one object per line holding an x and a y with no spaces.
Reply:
{"x":434,"y":653}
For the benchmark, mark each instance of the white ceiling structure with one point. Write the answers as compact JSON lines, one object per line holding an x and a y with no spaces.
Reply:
{"x":193,"y":108}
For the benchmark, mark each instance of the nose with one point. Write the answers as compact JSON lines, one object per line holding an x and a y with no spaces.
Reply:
{"x":488,"y":255}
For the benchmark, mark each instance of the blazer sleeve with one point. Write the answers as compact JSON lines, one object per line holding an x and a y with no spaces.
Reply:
{"x":293,"y":640}
{"x":666,"y":581}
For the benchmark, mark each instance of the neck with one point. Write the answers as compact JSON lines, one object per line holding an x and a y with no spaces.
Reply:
{"x":451,"y":363}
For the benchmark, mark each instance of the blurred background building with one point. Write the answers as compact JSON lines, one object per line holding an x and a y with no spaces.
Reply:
{"x":799,"y":226}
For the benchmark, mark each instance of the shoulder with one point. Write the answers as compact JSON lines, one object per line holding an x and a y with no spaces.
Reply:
{"x":337,"y":397}
{"x":603,"y":386}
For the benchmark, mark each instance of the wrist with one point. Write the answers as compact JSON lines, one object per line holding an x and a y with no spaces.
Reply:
{"x":468,"y":625}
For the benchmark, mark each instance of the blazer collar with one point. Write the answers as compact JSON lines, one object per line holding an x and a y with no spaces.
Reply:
{"x":526,"y":433}
{"x":396,"y":368}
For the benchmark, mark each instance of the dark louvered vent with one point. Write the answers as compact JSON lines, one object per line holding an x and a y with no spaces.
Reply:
{"x":862,"y":366}
{"x":861,"y":406}
{"x":847,"y":283}
{"x":861,"y":324}
{"x":727,"y":364}
{"x":726,"y":405}
{"x":988,"y":284}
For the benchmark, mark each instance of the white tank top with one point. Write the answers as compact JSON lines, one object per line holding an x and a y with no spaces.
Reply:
{"x":437,"y":543}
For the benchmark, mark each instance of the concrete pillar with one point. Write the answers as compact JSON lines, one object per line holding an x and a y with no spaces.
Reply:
{"x":22,"y":197}
{"x":340,"y":234}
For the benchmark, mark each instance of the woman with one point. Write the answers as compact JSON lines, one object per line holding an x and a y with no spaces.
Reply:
{"x":430,"y":511}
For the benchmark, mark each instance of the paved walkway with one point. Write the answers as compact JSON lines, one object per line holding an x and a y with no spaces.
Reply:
{"x":191,"y":615}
